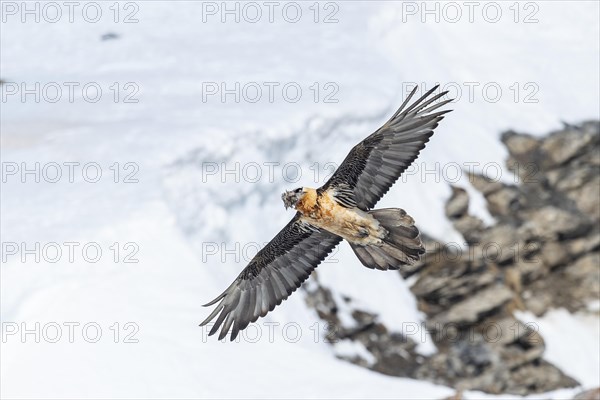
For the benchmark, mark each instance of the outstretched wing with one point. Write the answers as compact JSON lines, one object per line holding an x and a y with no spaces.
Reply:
{"x":274,"y":273}
{"x":373,"y":165}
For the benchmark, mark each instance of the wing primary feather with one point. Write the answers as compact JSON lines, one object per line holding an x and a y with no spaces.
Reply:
{"x":257,"y":302}
{"x":226,"y":325}
{"x":416,"y":103}
{"x":428,"y":102}
{"x":436,"y":106}
{"x":265,"y":304}
{"x":287,"y":278}
{"x":215,"y":300}
{"x":405,"y":102}
{"x":272,"y":297}
{"x":222,"y":295}
{"x":228,"y":306}
{"x":219,"y":321}
{"x":238,"y":315}
{"x":278,"y":286}
{"x":212,"y":315}
{"x":247,"y":316}
{"x":376,"y":163}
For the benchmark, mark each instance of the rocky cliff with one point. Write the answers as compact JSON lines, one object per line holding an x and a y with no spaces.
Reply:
{"x":541,"y":253}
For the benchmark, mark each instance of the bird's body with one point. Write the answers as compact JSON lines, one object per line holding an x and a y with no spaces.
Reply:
{"x":321,"y":209}
{"x":341,"y":209}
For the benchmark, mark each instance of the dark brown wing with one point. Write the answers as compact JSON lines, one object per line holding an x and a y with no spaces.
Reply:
{"x":373,"y":165}
{"x":274,"y":273}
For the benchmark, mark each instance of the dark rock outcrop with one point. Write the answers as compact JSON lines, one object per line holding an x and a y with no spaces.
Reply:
{"x":543,"y":252}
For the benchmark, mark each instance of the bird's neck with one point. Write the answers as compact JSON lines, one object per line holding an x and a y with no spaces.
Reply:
{"x":308,"y":202}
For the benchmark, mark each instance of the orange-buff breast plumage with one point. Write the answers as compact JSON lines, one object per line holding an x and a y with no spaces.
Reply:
{"x":354,"y":225}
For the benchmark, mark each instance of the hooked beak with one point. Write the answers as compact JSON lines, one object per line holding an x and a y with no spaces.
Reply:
{"x":290,"y":199}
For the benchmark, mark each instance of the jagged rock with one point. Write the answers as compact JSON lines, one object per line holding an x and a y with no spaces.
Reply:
{"x":519,"y":144}
{"x":553,"y":254}
{"x":470,"y":228}
{"x":592,"y":394}
{"x":500,"y":244}
{"x":542,"y":252}
{"x":583,"y":245}
{"x":439,"y":291}
{"x":532,"y":269}
{"x":530,"y":157}
{"x":503,"y":202}
{"x":572,"y":286}
{"x":458,"y":204}
{"x":551,"y":223}
{"x":586,"y":271}
{"x":562,"y":146}
{"x":395,"y":354}
{"x":465,"y":358}
{"x":474,"y":307}
{"x":565,"y":180}
{"x":484,"y":184}
{"x":321,"y":299}
{"x":477,"y":364}
{"x":592,"y":158}
{"x":586,"y":198}
{"x":456,"y":396}
{"x":537,"y":301}
{"x":509,"y":330}
{"x":502,"y":199}
{"x":532,"y":378}
{"x":514,"y":357}
{"x":364,"y":318}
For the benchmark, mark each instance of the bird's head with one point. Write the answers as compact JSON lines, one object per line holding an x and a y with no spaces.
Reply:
{"x":291,"y":197}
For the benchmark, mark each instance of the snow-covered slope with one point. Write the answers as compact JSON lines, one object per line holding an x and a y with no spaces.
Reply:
{"x":209,"y":173}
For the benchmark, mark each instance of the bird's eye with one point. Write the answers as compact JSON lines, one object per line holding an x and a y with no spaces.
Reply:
{"x":298,"y":190}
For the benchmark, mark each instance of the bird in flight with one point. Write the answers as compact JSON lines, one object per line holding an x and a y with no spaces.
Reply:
{"x":382,"y":239}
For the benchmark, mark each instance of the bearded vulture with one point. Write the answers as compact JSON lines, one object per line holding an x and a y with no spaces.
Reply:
{"x":382,"y":239}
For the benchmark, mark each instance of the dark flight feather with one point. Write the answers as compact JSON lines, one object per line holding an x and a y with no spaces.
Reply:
{"x":272,"y":275}
{"x":373,"y":165}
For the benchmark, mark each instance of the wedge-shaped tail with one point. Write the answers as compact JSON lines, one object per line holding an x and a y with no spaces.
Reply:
{"x":401,"y":246}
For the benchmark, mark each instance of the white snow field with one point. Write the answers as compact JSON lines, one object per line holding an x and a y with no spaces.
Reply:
{"x":199,"y":178}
